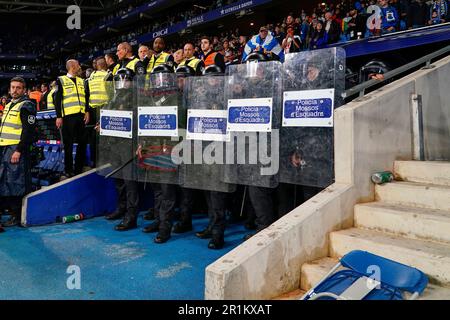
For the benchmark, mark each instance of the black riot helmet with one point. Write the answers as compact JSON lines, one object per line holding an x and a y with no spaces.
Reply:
{"x":213,"y":70}
{"x":372,"y":68}
{"x":123,"y":79}
{"x":162,"y":76}
{"x":185,"y":71}
{"x":257,"y":56}
{"x":162,"y":68}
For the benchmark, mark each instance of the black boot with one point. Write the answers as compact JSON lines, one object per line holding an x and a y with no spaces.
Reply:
{"x":118,"y":214}
{"x":205,"y":234}
{"x":128,"y":223}
{"x":182,"y":227}
{"x":163,"y":235}
{"x":152,"y":228}
{"x":12,"y":222}
{"x":150,"y":215}
{"x":217,"y":242}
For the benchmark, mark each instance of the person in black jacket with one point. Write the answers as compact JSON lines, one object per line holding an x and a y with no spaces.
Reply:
{"x":332,"y":28}
{"x":417,"y":14}
{"x":17,"y":134}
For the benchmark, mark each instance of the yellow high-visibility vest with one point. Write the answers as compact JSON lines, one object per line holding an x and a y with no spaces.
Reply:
{"x":130,"y":65}
{"x":11,"y":129}
{"x":193,"y":63}
{"x":50,"y":102}
{"x":74,"y":99}
{"x":98,"y":94}
{"x":155,"y":61}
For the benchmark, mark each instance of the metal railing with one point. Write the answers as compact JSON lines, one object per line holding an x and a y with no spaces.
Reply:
{"x":361,"y":88}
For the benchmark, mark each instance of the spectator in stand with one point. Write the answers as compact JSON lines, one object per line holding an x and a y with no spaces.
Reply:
{"x":319,"y":38}
{"x":279,"y":34}
{"x":265,"y":43}
{"x":389,"y":17}
{"x":228,"y":53}
{"x":242,"y":43}
{"x":292,"y":42}
{"x":304,"y":29}
{"x":417,"y":14}
{"x":442,"y":11}
{"x":3,"y":103}
{"x":356,"y":25}
{"x":332,"y":28}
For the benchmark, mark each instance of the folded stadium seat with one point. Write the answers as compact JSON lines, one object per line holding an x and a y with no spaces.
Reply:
{"x":365,"y":276}
{"x":60,"y":167}
{"x":46,"y":151}
{"x":54,"y":159}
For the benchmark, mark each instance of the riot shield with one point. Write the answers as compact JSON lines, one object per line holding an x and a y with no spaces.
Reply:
{"x":115,"y":155}
{"x":206,"y":134}
{"x":313,"y":82}
{"x":160,"y":119}
{"x":253,"y":92}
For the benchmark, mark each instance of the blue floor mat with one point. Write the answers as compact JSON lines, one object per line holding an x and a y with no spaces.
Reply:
{"x":114,"y":265}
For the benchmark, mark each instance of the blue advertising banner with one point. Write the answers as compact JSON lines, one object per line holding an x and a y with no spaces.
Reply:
{"x":207,"y":17}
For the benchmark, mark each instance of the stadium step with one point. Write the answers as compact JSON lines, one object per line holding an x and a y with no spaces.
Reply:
{"x":313,"y":272}
{"x":430,"y":172}
{"x":430,"y":257}
{"x":414,"y":195}
{"x":416,"y":223}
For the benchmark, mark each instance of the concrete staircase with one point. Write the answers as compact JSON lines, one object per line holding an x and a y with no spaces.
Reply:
{"x":408,"y":223}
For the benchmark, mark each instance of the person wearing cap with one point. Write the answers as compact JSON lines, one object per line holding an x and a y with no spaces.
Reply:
{"x":265,"y":43}
{"x":191,"y":61}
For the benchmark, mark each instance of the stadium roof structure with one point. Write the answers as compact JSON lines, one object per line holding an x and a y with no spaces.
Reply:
{"x":90,"y":7}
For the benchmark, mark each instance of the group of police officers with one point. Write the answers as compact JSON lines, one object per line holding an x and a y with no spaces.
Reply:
{"x":306,"y":157}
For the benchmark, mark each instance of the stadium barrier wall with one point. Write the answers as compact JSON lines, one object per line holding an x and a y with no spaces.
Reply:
{"x":370,"y":134}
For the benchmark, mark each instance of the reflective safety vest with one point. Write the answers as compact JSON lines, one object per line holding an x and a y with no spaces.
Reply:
{"x":11,"y":129}
{"x":193,"y":63}
{"x":210,"y":59}
{"x":130,"y":65}
{"x":98,"y":95}
{"x":74,"y":99}
{"x":157,"y":60}
{"x":50,"y":101}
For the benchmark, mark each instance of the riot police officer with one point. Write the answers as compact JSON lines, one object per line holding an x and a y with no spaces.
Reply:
{"x":118,"y":150}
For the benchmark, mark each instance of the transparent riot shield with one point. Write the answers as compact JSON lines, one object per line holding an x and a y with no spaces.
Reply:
{"x":313,"y":82}
{"x":160,"y":121}
{"x":253,"y":92}
{"x":115,"y":142}
{"x":206,"y":134}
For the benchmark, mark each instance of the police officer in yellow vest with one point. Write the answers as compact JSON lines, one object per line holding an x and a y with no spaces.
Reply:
{"x":98,"y":94}
{"x":160,"y":57}
{"x":17,"y":134}
{"x":128,"y":60}
{"x":191,"y":61}
{"x":72,"y":116}
{"x":50,"y":96}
